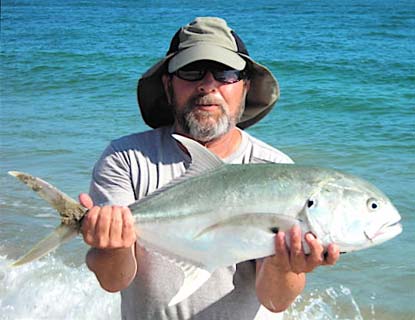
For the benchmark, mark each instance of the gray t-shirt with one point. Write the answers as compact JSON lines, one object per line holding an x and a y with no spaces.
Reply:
{"x":133,"y":167}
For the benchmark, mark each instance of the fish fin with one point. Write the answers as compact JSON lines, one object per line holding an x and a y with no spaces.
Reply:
{"x":60,"y":235}
{"x":194,"y":278}
{"x":70,"y":211}
{"x":272,"y":222}
{"x":202,"y":159}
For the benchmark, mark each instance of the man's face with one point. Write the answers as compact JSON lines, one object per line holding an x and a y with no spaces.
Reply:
{"x":206,"y":108}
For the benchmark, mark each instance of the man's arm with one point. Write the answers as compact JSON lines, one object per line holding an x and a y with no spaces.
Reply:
{"x":281,"y":277}
{"x":110,"y":232}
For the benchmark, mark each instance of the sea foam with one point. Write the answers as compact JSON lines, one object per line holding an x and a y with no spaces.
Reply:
{"x":49,"y":289}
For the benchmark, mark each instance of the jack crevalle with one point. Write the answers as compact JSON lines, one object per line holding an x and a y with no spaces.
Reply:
{"x":218,"y":214}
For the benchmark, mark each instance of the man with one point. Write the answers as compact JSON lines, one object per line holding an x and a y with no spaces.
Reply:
{"x":207,"y":88}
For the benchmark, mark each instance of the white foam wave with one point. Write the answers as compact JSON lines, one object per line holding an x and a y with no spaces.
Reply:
{"x":49,"y":289}
{"x":323,"y":304}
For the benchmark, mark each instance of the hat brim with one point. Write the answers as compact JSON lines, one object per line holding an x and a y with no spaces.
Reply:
{"x":262,"y":96}
{"x":206,"y":52}
{"x":156,"y":112}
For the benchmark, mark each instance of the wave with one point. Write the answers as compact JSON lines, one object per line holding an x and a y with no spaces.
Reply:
{"x":36,"y":291}
{"x":49,"y":289}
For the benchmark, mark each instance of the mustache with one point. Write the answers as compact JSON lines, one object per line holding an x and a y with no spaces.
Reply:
{"x":206,"y":100}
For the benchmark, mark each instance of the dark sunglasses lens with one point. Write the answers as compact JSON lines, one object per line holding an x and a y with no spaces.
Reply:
{"x":197,"y":72}
{"x":190,"y":75}
{"x":227,"y":76}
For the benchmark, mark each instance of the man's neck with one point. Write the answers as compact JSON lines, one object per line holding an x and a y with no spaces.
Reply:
{"x":223,"y":146}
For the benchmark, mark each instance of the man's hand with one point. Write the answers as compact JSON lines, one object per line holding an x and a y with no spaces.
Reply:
{"x":295,"y":260}
{"x":110,"y":231}
{"x":281,"y":277}
{"x":108,"y":227}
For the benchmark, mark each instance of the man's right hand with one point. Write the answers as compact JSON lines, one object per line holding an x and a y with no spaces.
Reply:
{"x":108,"y":227}
{"x":111,"y":233}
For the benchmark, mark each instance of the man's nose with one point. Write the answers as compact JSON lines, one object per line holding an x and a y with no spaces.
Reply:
{"x":208,"y":83}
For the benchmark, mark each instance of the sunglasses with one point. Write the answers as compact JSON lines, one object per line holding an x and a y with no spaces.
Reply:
{"x":196,"y":72}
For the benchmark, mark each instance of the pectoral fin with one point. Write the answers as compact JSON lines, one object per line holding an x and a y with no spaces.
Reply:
{"x":266,"y":221}
{"x":194,"y":278}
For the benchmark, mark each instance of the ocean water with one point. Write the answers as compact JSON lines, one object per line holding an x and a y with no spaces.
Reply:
{"x":69,"y":71}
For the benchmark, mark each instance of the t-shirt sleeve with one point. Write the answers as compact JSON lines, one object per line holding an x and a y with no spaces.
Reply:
{"x":111,"y":179}
{"x":264,"y":153}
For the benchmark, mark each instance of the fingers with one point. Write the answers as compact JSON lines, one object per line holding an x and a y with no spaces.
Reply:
{"x":85,"y":200}
{"x":281,"y":259}
{"x":109,"y":227}
{"x":281,"y":247}
{"x":333,"y":254}
{"x":128,"y":229}
{"x":115,"y":227}
{"x":88,"y":225}
{"x":316,"y":256}
{"x":298,"y":261}
{"x":102,"y":227}
{"x":297,"y":256}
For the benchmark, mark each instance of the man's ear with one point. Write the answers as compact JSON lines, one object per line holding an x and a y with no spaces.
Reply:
{"x":166,"y":79}
{"x":247,"y":85}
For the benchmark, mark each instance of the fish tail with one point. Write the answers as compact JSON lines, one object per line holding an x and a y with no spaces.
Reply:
{"x":70,"y":211}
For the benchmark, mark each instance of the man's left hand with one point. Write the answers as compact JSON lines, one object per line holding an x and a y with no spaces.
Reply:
{"x":281,"y":277}
{"x":295,"y":260}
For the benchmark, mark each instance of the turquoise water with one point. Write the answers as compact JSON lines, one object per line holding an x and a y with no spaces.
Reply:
{"x":68,"y":77}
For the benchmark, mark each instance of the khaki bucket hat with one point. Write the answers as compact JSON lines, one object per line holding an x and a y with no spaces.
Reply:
{"x":206,"y":38}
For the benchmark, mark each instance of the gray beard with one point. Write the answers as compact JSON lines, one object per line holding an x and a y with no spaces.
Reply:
{"x":202,"y":126}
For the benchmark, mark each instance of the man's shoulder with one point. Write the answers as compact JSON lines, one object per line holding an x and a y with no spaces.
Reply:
{"x":139,"y":140}
{"x":263,"y":152}
{"x":156,"y":146}
{"x":150,"y":143}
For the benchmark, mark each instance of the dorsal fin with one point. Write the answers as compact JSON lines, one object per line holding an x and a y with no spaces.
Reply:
{"x":202,"y":159}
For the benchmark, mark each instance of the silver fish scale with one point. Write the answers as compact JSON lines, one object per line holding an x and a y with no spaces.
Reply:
{"x":227,"y":188}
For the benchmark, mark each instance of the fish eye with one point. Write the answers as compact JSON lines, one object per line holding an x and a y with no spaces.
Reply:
{"x":274,"y":230}
{"x":311,"y":203}
{"x":373,"y":204}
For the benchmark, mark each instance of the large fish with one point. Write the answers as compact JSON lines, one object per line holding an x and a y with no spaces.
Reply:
{"x":218,"y":214}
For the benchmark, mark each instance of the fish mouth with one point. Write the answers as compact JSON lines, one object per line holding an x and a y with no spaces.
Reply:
{"x":385,"y":232}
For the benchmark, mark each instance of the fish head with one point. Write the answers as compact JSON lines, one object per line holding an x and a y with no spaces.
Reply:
{"x":352,"y":213}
